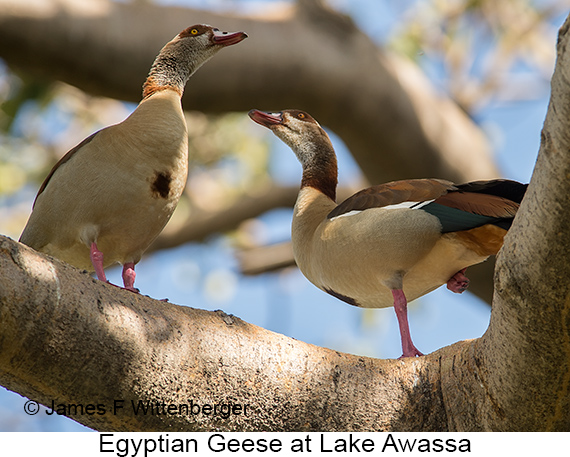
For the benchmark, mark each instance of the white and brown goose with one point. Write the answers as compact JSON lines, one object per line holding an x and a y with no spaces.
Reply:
{"x":109,"y":197}
{"x":391,"y":243}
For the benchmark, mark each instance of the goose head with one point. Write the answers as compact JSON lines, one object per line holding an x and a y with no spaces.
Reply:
{"x":184,"y":54}
{"x":299,"y":130}
{"x":310,"y":143}
{"x":205,"y":36}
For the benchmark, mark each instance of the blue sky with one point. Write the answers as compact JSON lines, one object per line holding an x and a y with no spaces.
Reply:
{"x":206,"y":275}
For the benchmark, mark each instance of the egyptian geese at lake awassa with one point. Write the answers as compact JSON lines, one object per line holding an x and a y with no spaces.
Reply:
{"x":390,"y":243}
{"x":109,"y":197}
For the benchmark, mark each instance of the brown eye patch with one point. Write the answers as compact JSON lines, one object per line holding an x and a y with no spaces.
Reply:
{"x":195,"y":30}
{"x":301,"y":115}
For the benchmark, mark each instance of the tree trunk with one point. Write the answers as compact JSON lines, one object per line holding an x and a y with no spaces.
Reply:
{"x":520,"y":368}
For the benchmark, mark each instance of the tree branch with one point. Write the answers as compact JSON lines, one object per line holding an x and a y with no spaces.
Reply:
{"x":74,"y":340}
{"x":263,"y":259}
{"x":201,"y":223}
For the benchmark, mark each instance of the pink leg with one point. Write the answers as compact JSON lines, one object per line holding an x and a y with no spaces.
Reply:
{"x":97,"y":261}
{"x":458,"y":282}
{"x":129,"y":276}
{"x":128,"y":269}
{"x":401,"y":308}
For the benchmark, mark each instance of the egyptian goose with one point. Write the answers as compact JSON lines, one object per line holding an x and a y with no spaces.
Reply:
{"x":109,"y":197}
{"x":392,"y":243}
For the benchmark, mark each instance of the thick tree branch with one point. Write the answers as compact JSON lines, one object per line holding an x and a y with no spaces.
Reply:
{"x":263,"y":259}
{"x":71,"y":339}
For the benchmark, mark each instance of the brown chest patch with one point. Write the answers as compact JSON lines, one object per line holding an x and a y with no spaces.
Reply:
{"x":152,"y":86}
{"x":160,"y":186}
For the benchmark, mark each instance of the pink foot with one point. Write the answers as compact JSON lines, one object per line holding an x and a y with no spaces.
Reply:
{"x":97,"y":261}
{"x":128,"y":270}
{"x":458,"y":282}
{"x":401,"y":308}
{"x":129,"y":276}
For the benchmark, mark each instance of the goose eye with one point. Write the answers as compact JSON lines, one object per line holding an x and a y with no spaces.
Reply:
{"x":301,"y":115}
{"x":194,"y":32}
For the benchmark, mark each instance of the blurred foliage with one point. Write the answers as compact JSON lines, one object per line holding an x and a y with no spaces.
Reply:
{"x":21,"y":90}
{"x":485,"y":49}
{"x":228,"y":160}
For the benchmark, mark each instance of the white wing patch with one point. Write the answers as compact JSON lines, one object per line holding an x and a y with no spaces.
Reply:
{"x":409,"y":205}
{"x":350,"y":213}
{"x":419,"y":205}
{"x":403,"y":205}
